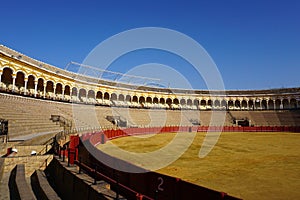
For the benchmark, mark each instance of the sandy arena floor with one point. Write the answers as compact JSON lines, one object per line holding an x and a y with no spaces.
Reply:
{"x":246,"y":165}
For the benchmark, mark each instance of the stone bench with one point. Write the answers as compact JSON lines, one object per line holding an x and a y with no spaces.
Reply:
{"x":41,"y":186}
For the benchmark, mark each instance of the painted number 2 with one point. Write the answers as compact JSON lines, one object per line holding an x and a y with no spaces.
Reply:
{"x":161,"y":182}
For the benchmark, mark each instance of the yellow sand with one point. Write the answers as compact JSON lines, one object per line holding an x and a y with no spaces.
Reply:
{"x":246,"y":165}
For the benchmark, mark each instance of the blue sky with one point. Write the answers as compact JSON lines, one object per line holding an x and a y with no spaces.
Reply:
{"x":255,"y":44}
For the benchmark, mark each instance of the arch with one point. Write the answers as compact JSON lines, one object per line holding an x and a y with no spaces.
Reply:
{"x":49,"y":87}
{"x":10,"y":67}
{"x":223,"y":103}
{"x":257,"y":104}
{"x":128,"y":98}
{"x":113,"y":97}
{"x":20,"y":80}
{"x":30,"y":84}
{"x":82,"y":94}
{"x":182,"y":102}
{"x":6,"y":76}
{"x":134,"y":99}
{"x":149,"y":100}
{"x":293,"y":103}
{"x":74,"y":91}
{"x":176,"y":101}
{"x":237,"y":104}
{"x":155,"y":100}
{"x":244,"y":104}
{"x":285,"y":104}
{"x":67,"y":90}
{"x":58,"y":88}
{"x":142,"y":99}
{"x":216,"y":103}
{"x":264,"y":104}
{"x":189,"y":102}
{"x":196,"y":102}
{"x":277,"y":104}
{"x":162,"y":101}
{"x":230,"y":104}
{"x":99,"y":95}
{"x":209,"y":102}
{"x":203,"y":102}
{"x":169,"y":101}
{"x":121,"y":97}
{"x":106,"y":96}
{"x":91,"y":94}
{"x":40,"y":85}
{"x":251,"y":104}
{"x":271,"y":104}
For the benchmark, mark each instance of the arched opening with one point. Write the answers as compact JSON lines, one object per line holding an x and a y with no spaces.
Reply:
{"x":203,"y":103}
{"x":285,"y":104}
{"x":121,"y":97}
{"x":162,"y":101}
{"x":271,"y":104}
{"x":189,"y":102}
{"x":113,"y":97}
{"x":30,"y":84}
{"x":82,"y":95}
{"x":277,"y":104}
{"x":257,"y":104}
{"x":244,"y":104}
{"x":142,"y":100}
{"x":196,"y":102}
{"x":251,"y":104}
{"x":20,"y":81}
{"x":135,"y":99}
{"x":176,"y":101}
{"x":182,"y":102}
{"x":91,"y":94}
{"x":149,"y":100}
{"x":217,"y":103}
{"x":293,"y":104}
{"x":74,"y":91}
{"x":128,"y":98}
{"x":223,"y":103}
{"x":58,"y":88}
{"x":6,"y":77}
{"x":237,"y":104}
{"x":155,"y":100}
{"x":40,"y":86}
{"x":230,"y":104}
{"x":169,"y":101}
{"x":67,"y":90}
{"x":49,"y":88}
{"x":99,"y":95}
{"x":264,"y":104}
{"x":209,"y":103}
{"x":106,"y":96}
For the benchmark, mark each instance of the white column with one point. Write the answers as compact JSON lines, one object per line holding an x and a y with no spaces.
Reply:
{"x":45,"y":85}
{"x":274,"y":103}
{"x":54,"y":91}
{"x":25,"y":86}
{"x":14,"y":82}
{"x":63,"y":92}
{"x":86,"y":97}
{"x":35,"y":88}
{"x":281,"y":106}
{"x":0,"y":76}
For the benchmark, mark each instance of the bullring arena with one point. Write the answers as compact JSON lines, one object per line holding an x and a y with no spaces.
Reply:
{"x":58,"y":129}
